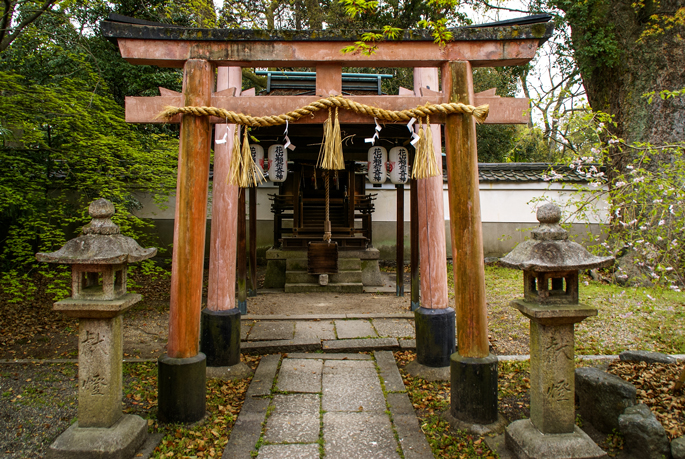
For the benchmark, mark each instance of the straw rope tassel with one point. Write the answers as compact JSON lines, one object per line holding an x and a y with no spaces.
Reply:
{"x":252,"y":175}
{"x":432,"y":169}
{"x":236,"y":160}
{"x":331,"y":154}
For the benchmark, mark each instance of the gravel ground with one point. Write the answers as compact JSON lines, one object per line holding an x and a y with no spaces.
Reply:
{"x":37,"y":403}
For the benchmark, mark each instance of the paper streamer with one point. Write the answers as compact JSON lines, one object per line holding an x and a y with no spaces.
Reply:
{"x":286,"y":139}
{"x":372,"y":140}
{"x":414,"y":135}
{"x":225,"y":139}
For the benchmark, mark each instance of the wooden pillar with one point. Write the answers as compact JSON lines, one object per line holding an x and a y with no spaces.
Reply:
{"x":191,"y":214}
{"x":431,"y":213}
{"x":222,"y":254}
{"x":465,"y":221}
{"x":414,"y":235}
{"x":242,"y":254}
{"x":399,"y":289}
{"x":253,"y":241}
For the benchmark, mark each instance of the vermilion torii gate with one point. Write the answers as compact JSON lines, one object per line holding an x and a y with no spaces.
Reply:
{"x":200,"y":51}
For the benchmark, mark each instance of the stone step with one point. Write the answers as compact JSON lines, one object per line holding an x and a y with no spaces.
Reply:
{"x":343,"y":277}
{"x":356,"y":287}
{"x":344,"y":264}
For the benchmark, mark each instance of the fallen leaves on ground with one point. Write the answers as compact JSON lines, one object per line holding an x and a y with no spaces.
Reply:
{"x":654,"y":383}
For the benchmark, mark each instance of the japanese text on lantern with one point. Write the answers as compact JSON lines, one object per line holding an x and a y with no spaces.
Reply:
{"x":278,"y":162}
{"x":377,"y":164}
{"x":402,"y":164}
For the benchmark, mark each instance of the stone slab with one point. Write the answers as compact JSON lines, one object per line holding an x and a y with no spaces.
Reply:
{"x":348,"y":329}
{"x":289,"y":451}
{"x":432,"y":374}
{"x":314,"y":330}
{"x":252,"y":317}
{"x":389,"y":373}
{"x":359,"y":435}
{"x":246,"y":430}
{"x":646,"y":356}
{"x":527,"y":442}
{"x":148,"y":448}
{"x":302,"y":355}
{"x":351,"y":387}
{"x":270,"y":330}
{"x":295,"y":419}
{"x":395,"y":328}
{"x":263,"y":379}
{"x":281,"y":345}
{"x":497,"y":444}
{"x":238,"y":371}
{"x":408,"y":344}
{"x":412,"y":440}
{"x":121,"y":441}
{"x":400,"y":404}
{"x":355,"y":345}
{"x":300,"y":375}
{"x":245,"y":327}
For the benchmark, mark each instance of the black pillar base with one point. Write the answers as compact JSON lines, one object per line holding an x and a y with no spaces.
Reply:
{"x":435,"y":336}
{"x":242,"y":306}
{"x":415,"y":305}
{"x":474,"y":388}
{"x":182,"y":392}
{"x":220,"y":337}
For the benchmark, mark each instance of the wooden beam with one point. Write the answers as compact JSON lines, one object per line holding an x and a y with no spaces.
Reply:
{"x":242,"y":254}
{"x":173,"y":53}
{"x":190,"y":221}
{"x":253,"y":241}
{"x":328,"y":80}
{"x":465,"y":221}
{"x":399,"y":248}
{"x":145,"y":109}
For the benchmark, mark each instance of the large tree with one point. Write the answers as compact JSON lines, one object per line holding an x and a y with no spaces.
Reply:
{"x":624,"y":50}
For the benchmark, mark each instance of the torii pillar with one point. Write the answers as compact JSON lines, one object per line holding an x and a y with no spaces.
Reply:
{"x":182,"y":370}
{"x":434,"y":319}
{"x":473,"y":368}
{"x":220,"y":333}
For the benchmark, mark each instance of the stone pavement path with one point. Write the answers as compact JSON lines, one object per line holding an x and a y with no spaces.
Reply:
{"x":337,"y":406}
{"x":328,"y":333}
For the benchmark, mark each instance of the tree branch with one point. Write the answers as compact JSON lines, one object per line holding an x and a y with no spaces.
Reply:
{"x":8,"y":39}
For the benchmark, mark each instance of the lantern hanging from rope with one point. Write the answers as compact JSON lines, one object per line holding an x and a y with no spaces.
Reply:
{"x":278,"y":163}
{"x":398,"y":165}
{"x":258,"y":156}
{"x":378,"y":159}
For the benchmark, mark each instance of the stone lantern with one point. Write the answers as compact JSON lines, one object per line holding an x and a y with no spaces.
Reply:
{"x":550,"y":264}
{"x":99,"y":260}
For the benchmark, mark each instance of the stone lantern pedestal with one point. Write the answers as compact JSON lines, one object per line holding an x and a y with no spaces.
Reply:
{"x":99,"y":260}
{"x":551,"y":263}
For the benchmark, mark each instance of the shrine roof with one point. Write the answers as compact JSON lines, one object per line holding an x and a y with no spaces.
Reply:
{"x":526,"y":28}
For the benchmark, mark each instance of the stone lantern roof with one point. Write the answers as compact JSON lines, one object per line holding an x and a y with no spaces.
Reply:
{"x":100,"y":244}
{"x":550,"y":250}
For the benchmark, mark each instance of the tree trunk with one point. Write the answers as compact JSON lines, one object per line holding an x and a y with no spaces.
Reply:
{"x":618,"y":67}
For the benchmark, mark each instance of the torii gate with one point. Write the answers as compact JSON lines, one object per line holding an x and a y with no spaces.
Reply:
{"x":200,"y":51}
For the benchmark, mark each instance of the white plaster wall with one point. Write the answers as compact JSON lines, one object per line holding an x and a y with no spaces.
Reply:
{"x":501,"y":202}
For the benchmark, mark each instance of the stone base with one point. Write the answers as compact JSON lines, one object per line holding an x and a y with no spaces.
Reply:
{"x":415,"y":369}
{"x":237,"y":371}
{"x":121,"y":441}
{"x":182,"y":389}
{"x":474,"y":389}
{"x":473,"y":428}
{"x":435,"y":336}
{"x":527,"y":442}
{"x":220,"y":337}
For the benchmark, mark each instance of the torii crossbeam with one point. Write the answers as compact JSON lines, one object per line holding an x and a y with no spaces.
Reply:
{"x":200,"y":51}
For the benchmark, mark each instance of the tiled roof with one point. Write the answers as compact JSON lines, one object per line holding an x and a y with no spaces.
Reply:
{"x":526,"y":172}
